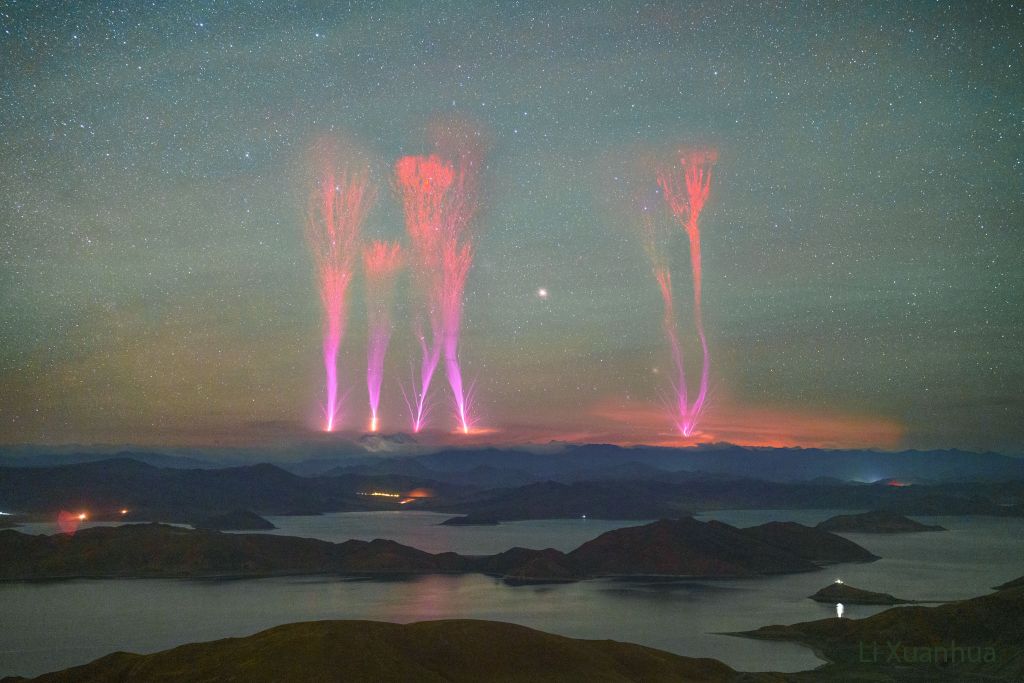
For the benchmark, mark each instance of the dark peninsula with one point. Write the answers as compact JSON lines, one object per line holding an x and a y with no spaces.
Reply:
{"x":876,"y":522}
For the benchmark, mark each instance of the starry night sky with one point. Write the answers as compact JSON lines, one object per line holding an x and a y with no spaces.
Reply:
{"x":863,"y":244}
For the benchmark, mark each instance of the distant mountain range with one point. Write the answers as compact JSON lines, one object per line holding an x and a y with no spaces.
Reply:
{"x":467,"y":484}
{"x":105,"y":487}
{"x":849,"y":595}
{"x":493,"y":467}
{"x":876,"y":522}
{"x":600,"y":461}
{"x":650,"y":499}
{"x":46,"y":459}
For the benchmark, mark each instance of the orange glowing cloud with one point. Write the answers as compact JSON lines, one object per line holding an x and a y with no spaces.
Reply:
{"x":747,"y":426}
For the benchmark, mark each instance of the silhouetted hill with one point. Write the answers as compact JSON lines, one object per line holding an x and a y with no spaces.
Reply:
{"x":503,"y":474}
{"x":549,"y":499}
{"x":847,"y":594}
{"x":157,"y":550}
{"x":938,"y":502}
{"x":114,"y":484}
{"x":679,"y":493}
{"x":687,"y":547}
{"x":186,"y":494}
{"x":589,"y":461}
{"x":452,"y":650}
{"x":403,"y":467}
{"x":238,"y":520}
{"x":470,"y":520}
{"x":173,"y":494}
{"x":523,"y":562}
{"x":580,"y":462}
{"x":876,"y":522}
{"x":1016,"y":583}
{"x":40,"y":458}
{"x":540,"y":566}
{"x":809,"y":543}
{"x":975,"y":639}
{"x":683,"y":547}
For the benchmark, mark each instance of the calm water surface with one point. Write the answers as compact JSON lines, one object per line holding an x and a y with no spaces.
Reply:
{"x":424,"y":530}
{"x":49,"y":626}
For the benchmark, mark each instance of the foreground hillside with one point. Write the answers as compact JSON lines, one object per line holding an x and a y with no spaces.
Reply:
{"x":970,"y":640}
{"x":158,"y":550}
{"x":454,"y":650}
{"x":976,"y":639}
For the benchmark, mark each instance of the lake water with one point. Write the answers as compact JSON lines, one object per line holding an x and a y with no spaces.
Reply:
{"x":53,"y":625}
{"x":424,"y":530}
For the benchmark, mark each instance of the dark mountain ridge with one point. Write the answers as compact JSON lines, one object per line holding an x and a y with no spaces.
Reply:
{"x":649,"y":499}
{"x":684,"y":547}
{"x":184,"y":494}
{"x":774,"y":464}
{"x":572,"y":462}
{"x":174,"y":494}
{"x":876,"y":522}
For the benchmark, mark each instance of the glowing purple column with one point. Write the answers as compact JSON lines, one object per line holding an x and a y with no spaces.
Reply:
{"x":337,"y":207}
{"x":381,"y":263}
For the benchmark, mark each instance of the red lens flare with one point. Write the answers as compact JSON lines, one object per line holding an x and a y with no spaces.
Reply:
{"x":70,"y":521}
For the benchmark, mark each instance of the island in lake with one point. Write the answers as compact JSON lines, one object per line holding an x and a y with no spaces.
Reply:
{"x":471,"y":520}
{"x":679,"y":547}
{"x":238,"y":520}
{"x":876,"y":522}
{"x":848,"y":595}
